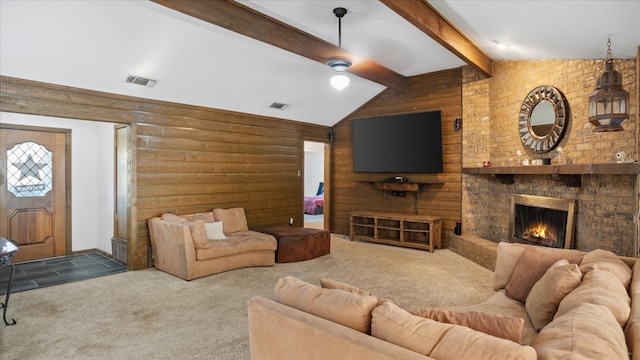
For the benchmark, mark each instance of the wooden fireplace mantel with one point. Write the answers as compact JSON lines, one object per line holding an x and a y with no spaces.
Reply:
{"x":570,"y":175}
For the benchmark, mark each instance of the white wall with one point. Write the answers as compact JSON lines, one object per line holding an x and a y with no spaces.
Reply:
{"x":92,"y":173}
{"x":313,"y":167}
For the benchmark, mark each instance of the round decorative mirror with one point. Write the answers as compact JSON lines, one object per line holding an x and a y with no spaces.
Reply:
{"x":543,"y":119}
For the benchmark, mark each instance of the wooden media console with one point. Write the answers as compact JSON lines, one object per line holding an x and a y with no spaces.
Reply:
{"x":415,"y":231}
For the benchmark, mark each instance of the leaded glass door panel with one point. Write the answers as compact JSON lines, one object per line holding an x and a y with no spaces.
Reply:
{"x":33,"y":184}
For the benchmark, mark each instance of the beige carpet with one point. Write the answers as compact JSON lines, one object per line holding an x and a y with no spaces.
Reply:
{"x":149,"y":314}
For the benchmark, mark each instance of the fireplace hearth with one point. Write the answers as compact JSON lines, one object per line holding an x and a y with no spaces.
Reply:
{"x":542,"y":221}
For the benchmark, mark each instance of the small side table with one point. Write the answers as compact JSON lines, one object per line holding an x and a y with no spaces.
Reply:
{"x":7,"y":250}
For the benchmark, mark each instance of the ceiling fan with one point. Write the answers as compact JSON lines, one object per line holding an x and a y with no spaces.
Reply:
{"x":338,"y":63}
{"x":241,"y":19}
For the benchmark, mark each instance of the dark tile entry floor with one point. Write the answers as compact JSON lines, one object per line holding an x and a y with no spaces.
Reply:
{"x":59,"y":270}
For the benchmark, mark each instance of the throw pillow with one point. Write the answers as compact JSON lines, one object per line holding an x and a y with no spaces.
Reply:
{"x":533,"y":263}
{"x":342,"y":307}
{"x":502,"y":326}
{"x":544,"y":297}
{"x":606,"y":260}
{"x":334,"y":284}
{"x":602,"y":288}
{"x":586,"y":332}
{"x":234,"y":219}
{"x":214,"y":231}
{"x":439,"y":340}
{"x":199,"y":234}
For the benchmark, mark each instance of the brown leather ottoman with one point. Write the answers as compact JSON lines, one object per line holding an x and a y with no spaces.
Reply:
{"x":299,"y":244}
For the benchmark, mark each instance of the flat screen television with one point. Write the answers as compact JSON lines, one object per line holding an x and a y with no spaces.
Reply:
{"x":403,"y":143}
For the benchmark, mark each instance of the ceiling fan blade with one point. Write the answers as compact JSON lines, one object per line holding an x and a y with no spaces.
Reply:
{"x":428,"y":20}
{"x":246,"y":21}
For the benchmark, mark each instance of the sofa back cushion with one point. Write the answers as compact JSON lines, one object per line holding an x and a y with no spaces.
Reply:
{"x":508,"y":256}
{"x":587,"y":332}
{"x":342,"y":307}
{"x":439,"y":340}
{"x":233,"y":220}
{"x":199,"y":234}
{"x":632,"y":329}
{"x":599,"y":287}
{"x":606,"y":260}
{"x":327,"y":283}
{"x":531,"y":265}
{"x":502,"y":326}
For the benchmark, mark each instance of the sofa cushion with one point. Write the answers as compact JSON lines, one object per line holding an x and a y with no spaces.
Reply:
{"x":606,"y":260}
{"x":237,"y":243}
{"x":502,"y":326}
{"x":545,"y":296}
{"x":532,"y":264}
{"x":439,"y":340}
{"x":199,"y":234}
{"x":174,"y":218}
{"x":506,"y":259}
{"x":334,"y":284}
{"x":463,"y":343}
{"x":632,"y":328}
{"x":233,"y":219}
{"x":205,"y":216}
{"x":214,"y":230}
{"x":508,"y":255}
{"x":587,"y":332}
{"x":343,"y":307}
{"x":599,"y":287}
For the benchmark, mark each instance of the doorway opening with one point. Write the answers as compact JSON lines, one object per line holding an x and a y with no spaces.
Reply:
{"x":90,"y":220}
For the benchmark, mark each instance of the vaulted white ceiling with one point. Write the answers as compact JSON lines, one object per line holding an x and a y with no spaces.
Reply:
{"x":96,"y":44}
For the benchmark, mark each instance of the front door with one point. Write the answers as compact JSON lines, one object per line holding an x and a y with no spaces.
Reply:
{"x":33,"y":181}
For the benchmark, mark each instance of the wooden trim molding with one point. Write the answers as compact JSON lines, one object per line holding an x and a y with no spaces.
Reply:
{"x":428,"y":20}
{"x":243,"y":20}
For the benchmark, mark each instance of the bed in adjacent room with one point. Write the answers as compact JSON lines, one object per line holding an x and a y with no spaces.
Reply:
{"x":314,"y":205}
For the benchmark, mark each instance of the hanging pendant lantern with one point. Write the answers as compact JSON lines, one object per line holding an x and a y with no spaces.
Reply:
{"x":608,"y":104}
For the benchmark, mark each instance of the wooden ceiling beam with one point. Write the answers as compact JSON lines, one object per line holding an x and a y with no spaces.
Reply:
{"x":428,"y":20}
{"x":246,"y":21}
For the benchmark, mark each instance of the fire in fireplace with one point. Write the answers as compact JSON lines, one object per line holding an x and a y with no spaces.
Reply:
{"x":542,"y":221}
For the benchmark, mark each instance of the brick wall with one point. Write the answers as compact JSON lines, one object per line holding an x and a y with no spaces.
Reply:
{"x":606,"y":212}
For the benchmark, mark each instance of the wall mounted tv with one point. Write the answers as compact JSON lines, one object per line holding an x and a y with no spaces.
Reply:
{"x":403,"y":143}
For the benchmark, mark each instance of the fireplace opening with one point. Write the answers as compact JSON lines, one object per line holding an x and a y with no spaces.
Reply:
{"x":542,"y":221}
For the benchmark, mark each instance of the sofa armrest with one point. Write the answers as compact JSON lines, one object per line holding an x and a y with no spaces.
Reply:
{"x":277,"y":331}
{"x":172,"y":247}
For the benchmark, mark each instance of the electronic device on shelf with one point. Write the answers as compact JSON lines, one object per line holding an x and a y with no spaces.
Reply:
{"x":396,"y":179}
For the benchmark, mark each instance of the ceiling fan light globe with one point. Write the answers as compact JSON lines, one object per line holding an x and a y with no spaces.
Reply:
{"x":340,"y":81}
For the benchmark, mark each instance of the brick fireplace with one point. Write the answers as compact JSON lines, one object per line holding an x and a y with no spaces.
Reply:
{"x":542,"y":221}
{"x":607,"y":203}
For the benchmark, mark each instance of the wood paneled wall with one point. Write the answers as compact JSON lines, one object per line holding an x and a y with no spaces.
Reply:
{"x":355,"y":192}
{"x":188,"y":159}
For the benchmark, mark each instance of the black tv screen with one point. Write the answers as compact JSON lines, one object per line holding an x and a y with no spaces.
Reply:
{"x":404,"y":143}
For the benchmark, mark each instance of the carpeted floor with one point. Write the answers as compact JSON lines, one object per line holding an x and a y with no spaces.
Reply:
{"x":149,"y":314}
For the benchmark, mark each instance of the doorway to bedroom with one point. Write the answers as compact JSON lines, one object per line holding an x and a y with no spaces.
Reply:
{"x":315,"y":204}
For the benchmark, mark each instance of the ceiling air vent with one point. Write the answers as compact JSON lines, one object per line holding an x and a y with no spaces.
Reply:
{"x":139,"y":80}
{"x":279,"y":106}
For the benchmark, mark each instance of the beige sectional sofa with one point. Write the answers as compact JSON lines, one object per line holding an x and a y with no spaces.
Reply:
{"x":548,"y":304}
{"x":197,"y":245}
